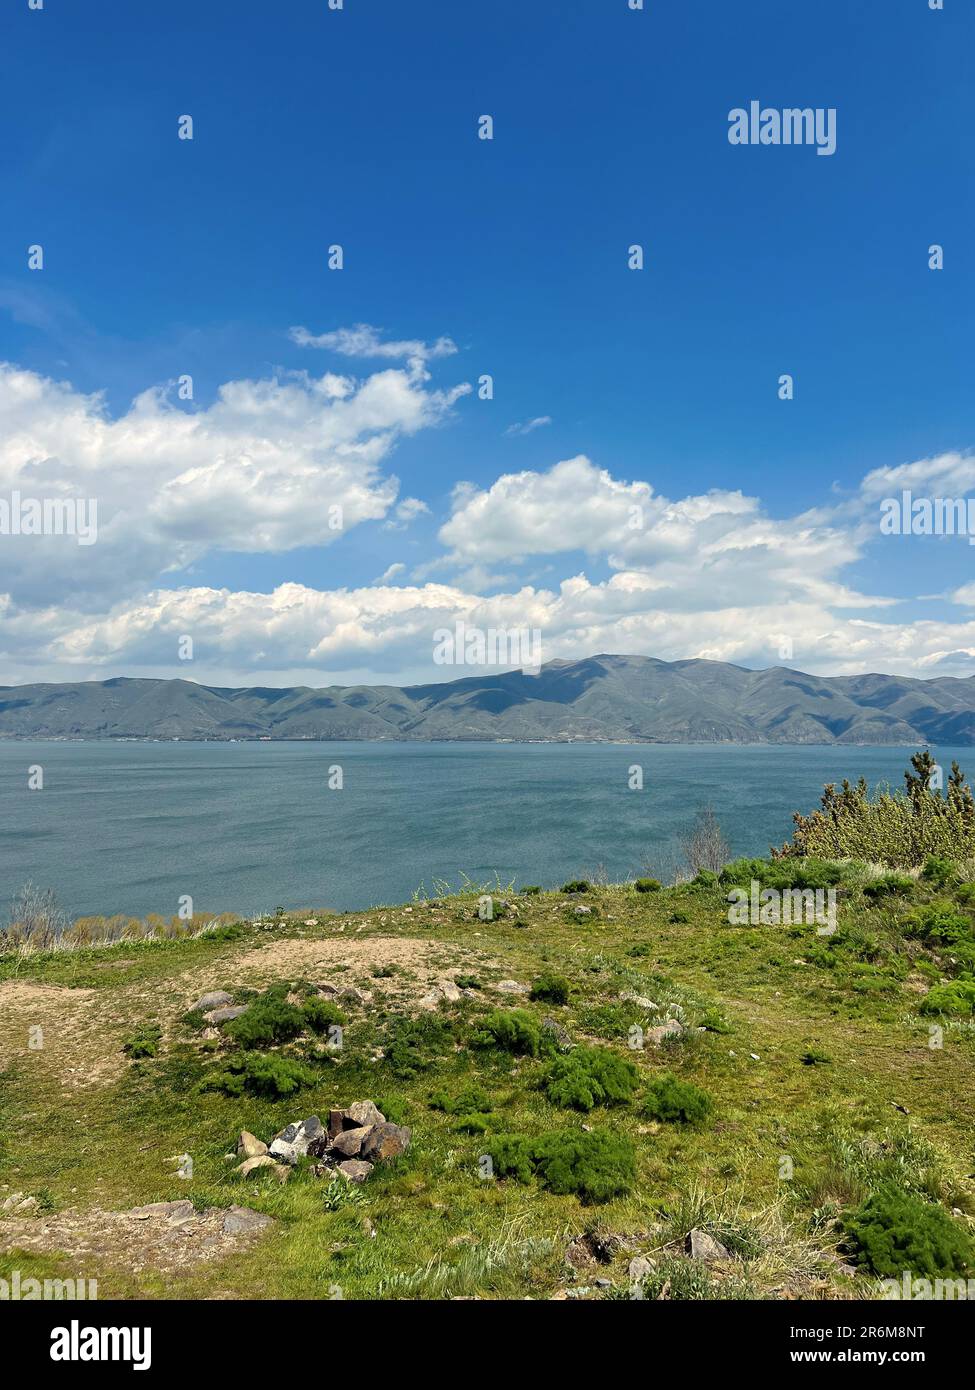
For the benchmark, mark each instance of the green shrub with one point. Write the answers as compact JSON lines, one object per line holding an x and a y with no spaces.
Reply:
{"x":704,"y":878}
{"x":467,"y":982}
{"x":321,"y":1014}
{"x":902,"y":829}
{"x":472,"y":1099}
{"x":595,"y":1167}
{"x":514,"y":1030}
{"x":589,"y":1076}
{"x":576,"y":885}
{"x":648,"y":885}
{"x":812,"y":1057}
{"x":956,"y":999}
{"x":551,"y":989}
{"x":938,"y":921}
{"x":677,"y":1102}
{"x":144,"y":1042}
{"x":393,"y":1108}
{"x":269,"y":1019}
{"x":939,"y":871}
{"x":531,"y":889}
{"x":781,"y":873}
{"x":413,"y":1045}
{"x":888,"y":885}
{"x":679,"y":917}
{"x":260,"y":1074}
{"x":893,"y":1232}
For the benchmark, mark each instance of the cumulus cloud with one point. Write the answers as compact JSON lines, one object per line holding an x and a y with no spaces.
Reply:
{"x":365,"y":341}
{"x":270,"y":465}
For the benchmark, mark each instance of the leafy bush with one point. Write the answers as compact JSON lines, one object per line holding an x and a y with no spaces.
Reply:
{"x":261,"y":1074}
{"x":589,"y":1076}
{"x":956,"y":998}
{"x":269,"y":1019}
{"x":393,"y":1108}
{"x":704,"y":878}
{"x":595,"y":1167}
{"x":938,"y":921}
{"x":576,"y":885}
{"x":677,"y":1102}
{"x":552,"y":989}
{"x":414,"y":1043}
{"x":514,"y":1030}
{"x":679,"y":917}
{"x":144,"y":1042}
{"x":321,"y":1014}
{"x":472,"y":1099}
{"x":781,"y":873}
{"x":889,"y":884}
{"x":939,"y":871}
{"x":467,"y":982}
{"x":531,"y":889}
{"x":648,"y":885}
{"x":893,"y":1232}
{"x":896,"y":828}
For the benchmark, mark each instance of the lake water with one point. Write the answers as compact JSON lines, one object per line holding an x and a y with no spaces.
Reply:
{"x":245,"y":827}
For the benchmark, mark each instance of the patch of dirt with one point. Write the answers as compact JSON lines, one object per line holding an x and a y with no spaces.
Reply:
{"x":340,"y":961}
{"x":97,"y":1240}
{"x":61,"y":1030}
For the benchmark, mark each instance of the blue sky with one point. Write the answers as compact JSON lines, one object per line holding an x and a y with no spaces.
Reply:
{"x":311,"y":126}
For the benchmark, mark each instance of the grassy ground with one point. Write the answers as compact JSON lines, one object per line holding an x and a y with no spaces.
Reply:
{"x":819,"y":1064}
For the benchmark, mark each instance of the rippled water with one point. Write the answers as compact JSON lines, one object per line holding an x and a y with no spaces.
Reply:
{"x":130,"y":827}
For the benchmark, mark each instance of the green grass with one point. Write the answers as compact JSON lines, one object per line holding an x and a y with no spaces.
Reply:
{"x":793,"y":1141}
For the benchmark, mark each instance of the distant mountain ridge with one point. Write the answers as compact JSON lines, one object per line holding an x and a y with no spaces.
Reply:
{"x":600,"y":698}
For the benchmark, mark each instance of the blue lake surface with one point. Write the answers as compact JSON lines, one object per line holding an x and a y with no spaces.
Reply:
{"x":245,"y":827}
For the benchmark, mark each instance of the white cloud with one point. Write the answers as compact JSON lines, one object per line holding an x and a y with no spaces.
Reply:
{"x":365,"y":341}
{"x":270,"y":465}
{"x":529,"y":426}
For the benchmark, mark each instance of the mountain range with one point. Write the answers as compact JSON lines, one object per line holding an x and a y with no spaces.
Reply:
{"x":599,"y":698}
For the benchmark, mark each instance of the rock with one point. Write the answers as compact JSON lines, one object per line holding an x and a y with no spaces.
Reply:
{"x":582,"y":911}
{"x":639,"y":1267}
{"x":443,"y":990}
{"x":355,"y":1170}
{"x":640,"y":1000}
{"x":258,"y":1161}
{"x":512,"y":987}
{"x":670,"y":1029}
{"x":362,"y":1112}
{"x":243,"y":1220}
{"x":173,"y":1212}
{"x":248,"y":1146}
{"x":294,"y":1140}
{"x":385,"y":1142}
{"x":214,"y":1000}
{"x":224,"y":1015}
{"x":349,"y":1142}
{"x":701,"y":1246}
{"x":12,"y":1201}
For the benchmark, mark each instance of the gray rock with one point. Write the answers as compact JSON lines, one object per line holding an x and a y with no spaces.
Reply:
{"x":355,"y":1170}
{"x":214,"y":1000}
{"x":640,"y":1000}
{"x":701,"y":1246}
{"x":362,"y":1112}
{"x":349,"y":1142}
{"x":173,"y":1212}
{"x":218,"y":1016}
{"x":386,"y":1142}
{"x":243,"y":1220}
{"x":512,"y":987}
{"x":10,"y":1202}
{"x":639,"y":1268}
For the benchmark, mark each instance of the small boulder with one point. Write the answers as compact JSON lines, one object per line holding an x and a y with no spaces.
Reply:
{"x":512,"y":987}
{"x":243,"y":1220}
{"x":214,"y":1000}
{"x":217,"y":1016}
{"x":362,"y":1112}
{"x":349,"y":1142}
{"x":175,"y":1213}
{"x":640,"y":1000}
{"x":258,"y":1161}
{"x":249,"y":1146}
{"x":355,"y":1170}
{"x":670,"y":1029}
{"x":701,"y":1246}
{"x":639,"y":1268}
{"x":294,"y":1140}
{"x":385,"y":1142}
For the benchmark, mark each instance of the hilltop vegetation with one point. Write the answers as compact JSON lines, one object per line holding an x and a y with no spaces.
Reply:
{"x":611,"y":1093}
